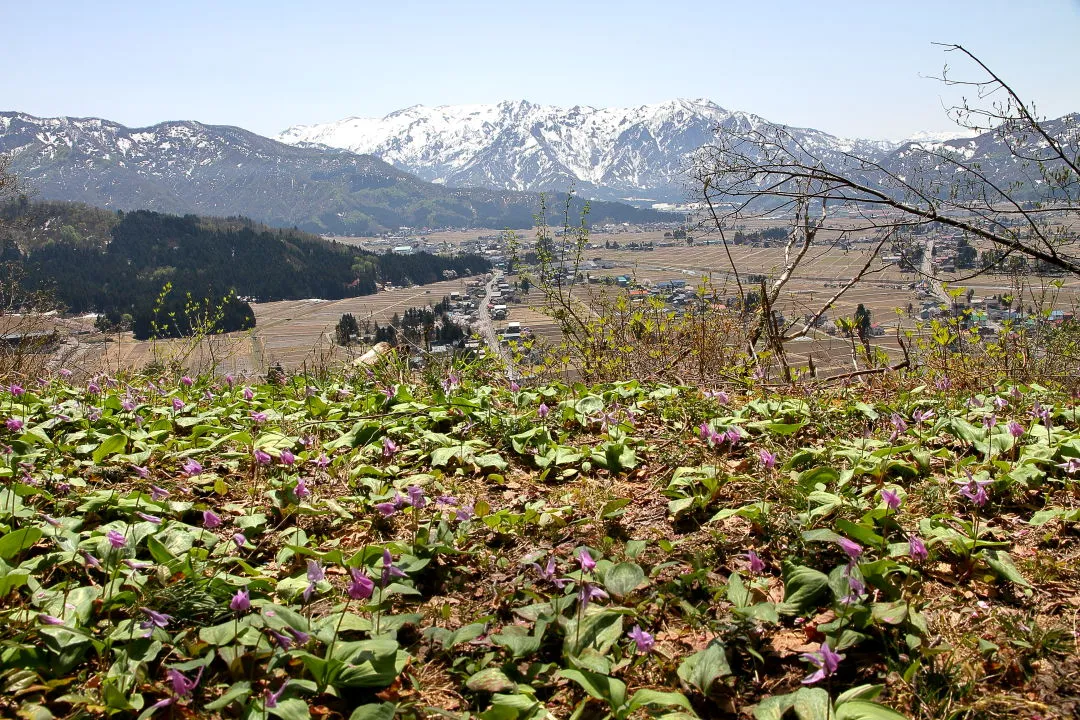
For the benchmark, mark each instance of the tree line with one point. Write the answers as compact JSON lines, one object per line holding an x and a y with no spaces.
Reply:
{"x":121,"y":274}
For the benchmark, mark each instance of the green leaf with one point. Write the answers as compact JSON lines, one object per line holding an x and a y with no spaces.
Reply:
{"x":240,"y":692}
{"x":290,"y":709}
{"x":517,"y":640}
{"x":598,"y":631}
{"x":607,"y":689}
{"x":490,"y":680}
{"x":645,"y":696}
{"x":623,"y":578}
{"x":18,"y":540}
{"x":110,"y":446}
{"x":890,"y":613}
{"x":803,"y":588}
{"x":864,"y":710}
{"x":375,"y":711}
{"x":703,"y":668}
{"x":1002,"y":565}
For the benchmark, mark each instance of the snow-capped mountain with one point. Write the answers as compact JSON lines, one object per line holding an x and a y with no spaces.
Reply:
{"x":189,"y":167}
{"x":613,"y":153}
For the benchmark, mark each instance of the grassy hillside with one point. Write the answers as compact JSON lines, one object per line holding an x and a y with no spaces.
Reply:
{"x":386,"y":545}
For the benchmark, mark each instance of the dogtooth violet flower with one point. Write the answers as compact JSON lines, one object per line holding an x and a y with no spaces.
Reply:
{"x":917,"y":548}
{"x":542,"y":411}
{"x":549,"y":573}
{"x":211,"y":519}
{"x":851,"y":548}
{"x":191,"y":467}
{"x":389,"y":447}
{"x":891,"y":498}
{"x":1016,"y":429}
{"x":315,"y":575}
{"x":642,"y":639}
{"x":588,"y":593}
{"x":389,"y":570}
{"x":757,"y":565}
{"x":261,"y":457}
{"x":825,"y":660}
{"x":181,"y":685}
{"x":240,"y":602}
{"x":360,"y":586}
{"x":273,"y":697}
{"x":586,"y":561}
{"x":768,"y":459}
{"x":116,"y":539}
{"x":286,"y":457}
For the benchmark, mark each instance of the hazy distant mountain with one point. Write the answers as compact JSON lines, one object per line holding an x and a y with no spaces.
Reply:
{"x":610,"y":153}
{"x":188,"y":167}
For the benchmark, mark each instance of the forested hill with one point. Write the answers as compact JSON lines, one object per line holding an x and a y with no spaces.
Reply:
{"x":117,"y":263}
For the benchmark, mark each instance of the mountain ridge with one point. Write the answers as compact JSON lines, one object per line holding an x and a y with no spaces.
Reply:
{"x":610,"y":153}
{"x":190,"y":167}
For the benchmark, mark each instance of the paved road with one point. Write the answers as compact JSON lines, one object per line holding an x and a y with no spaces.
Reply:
{"x":486,"y":327}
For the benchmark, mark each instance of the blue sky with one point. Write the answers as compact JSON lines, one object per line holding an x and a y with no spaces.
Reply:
{"x":855,"y":69}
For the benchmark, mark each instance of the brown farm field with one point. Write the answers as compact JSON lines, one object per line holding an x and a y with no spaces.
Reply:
{"x":296,"y":333}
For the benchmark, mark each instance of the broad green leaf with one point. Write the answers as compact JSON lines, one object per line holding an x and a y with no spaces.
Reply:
{"x":110,"y":446}
{"x":623,"y":578}
{"x":865,"y":710}
{"x":705,"y":667}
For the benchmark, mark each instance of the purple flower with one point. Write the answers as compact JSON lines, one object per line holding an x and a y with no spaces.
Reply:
{"x":14,"y":424}
{"x":248,"y":393}
{"x":389,"y":571}
{"x":300,"y":637}
{"x":1000,"y":403}
{"x":825,"y":660}
{"x":851,"y":548}
{"x":315,"y":574}
{"x":768,"y":459}
{"x":90,"y":560}
{"x":322,"y":461}
{"x":157,"y":494}
{"x":229,"y":380}
{"x":361,"y":586}
{"x":141,"y":471}
{"x":465,"y":512}
{"x":733,"y":436}
{"x":93,"y":388}
{"x":642,"y":639}
{"x":191,"y":467}
{"x":989,"y":421}
{"x":49,"y":619}
{"x":283,"y":641}
{"x":1071,"y":466}
{"x":974,"y":490}
{"x":718,"y":395}
{"x":258,"y":417}
{"x":148,"y":518}
{"x":241,"y":602}
{"x":943,"y":384}
{"x":542,"y":411}
{"x":186,"y":381}
{"x":589,"y":593}
{"x":301,"y":490}
{"x":416,"y":496}
{"x":154,"y":619}
{"x":286,"y":457}
{"x":450,"y":382}
{"x":211,"y":519}
{"x":389,"y":447}
{"x":386,"y":509}
{"x":975,"y":402}
{"x":240,"y":539}
{"x":65,"y":373}
{"x":585,"y":560}
{"x":891,"y":498}
{"x":116,"y":539}
{"x":181,"y":686}
{"x":177,"y":404}
{"x":757,"y":565}
{"x":920,"y":416}
{"x":549,"y":573}
{"x":917,"y":548}
{"x":16,"y":390}
{"x":127,"y":404}
{"x":262,"y":458}
{"x":273,"y":697}
{"x":1016,"y":429}
{"x":899,"y":426}
{"x":514,"y":387}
